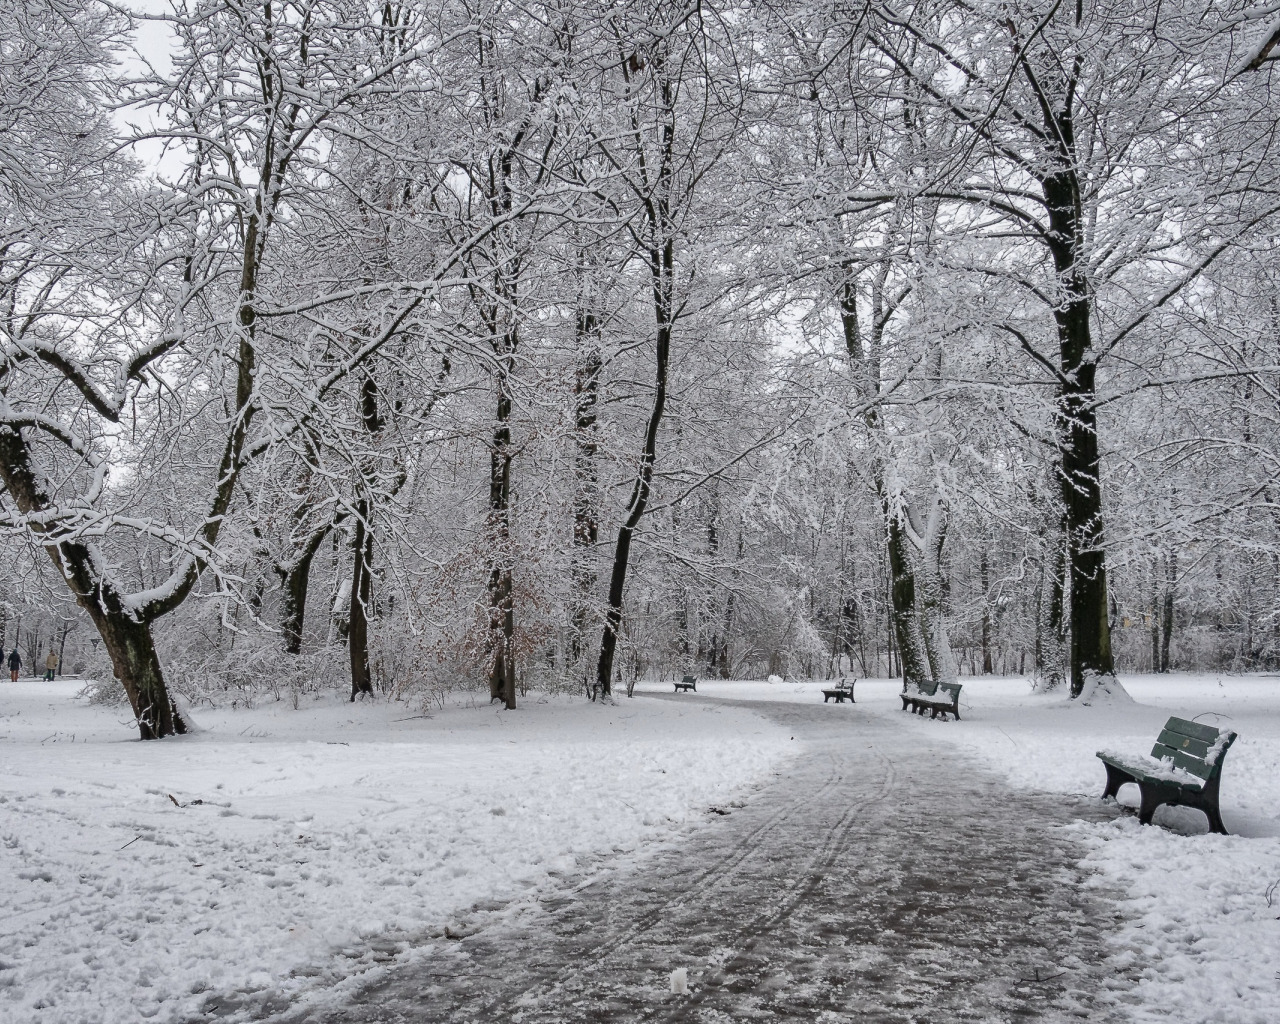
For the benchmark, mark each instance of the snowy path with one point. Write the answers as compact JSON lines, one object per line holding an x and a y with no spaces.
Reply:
{"x":869,"y":882}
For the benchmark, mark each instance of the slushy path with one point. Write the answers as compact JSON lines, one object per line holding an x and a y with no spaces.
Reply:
{"x":882,"y":877}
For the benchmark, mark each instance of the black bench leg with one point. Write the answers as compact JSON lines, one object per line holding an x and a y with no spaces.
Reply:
{"x":1115,"y":779}
{"x":1150,"y":801}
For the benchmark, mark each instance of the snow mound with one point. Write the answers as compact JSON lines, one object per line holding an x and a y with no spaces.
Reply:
{"x":1100,"y":689}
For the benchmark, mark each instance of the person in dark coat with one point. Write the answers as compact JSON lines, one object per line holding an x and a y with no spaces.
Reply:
{"x":15,"y":663}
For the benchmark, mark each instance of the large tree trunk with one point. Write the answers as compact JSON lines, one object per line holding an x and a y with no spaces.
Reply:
{"x":134,"y":658}
{"x":913,"y":654}
{"x":931,"y":591}
{"x":1077,"y":422}
{"x":127,"y":636}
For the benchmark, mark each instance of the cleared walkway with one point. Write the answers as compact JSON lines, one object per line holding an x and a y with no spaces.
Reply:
{"x":882,"y":877}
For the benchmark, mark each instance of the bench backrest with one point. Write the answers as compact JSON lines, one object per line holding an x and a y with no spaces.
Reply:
{"x":928,"y":688}
{"x":688,"y":679}
{"x":1195,"y":748}
{"x":951,"y":690}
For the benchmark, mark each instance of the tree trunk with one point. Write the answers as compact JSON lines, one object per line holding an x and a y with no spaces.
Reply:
{"x":662,"y":278}
{"x":358,"y":618}
{"x":1170,"y":586}
{"x":62,"y":652}
{"x":502,"y":676}
{"x":931,"y":592}
{"x":641,"y":490}
{"x":586,"y":528}
{"x":127,"y":636}
{"x":984,"y":581}
{"x":295,"y":578}
{"x":1077,"y":424}
{"x":1155,"y":615}
{"x":913,"y":657}
{"x":133,"y":657}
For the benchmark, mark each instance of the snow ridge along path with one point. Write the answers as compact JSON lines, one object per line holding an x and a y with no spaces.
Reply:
{"x":873,"y":880}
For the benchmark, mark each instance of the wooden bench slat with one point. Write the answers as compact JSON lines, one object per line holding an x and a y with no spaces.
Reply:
{"x":1195,"y":730}
{"x":1195,"y":765}
{"x":1192,"y":745}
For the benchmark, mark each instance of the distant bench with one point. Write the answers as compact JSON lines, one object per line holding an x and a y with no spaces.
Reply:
{"x":687,"y":683}
{"x":936,"y":698}
{"x":841,"y":693}
{"x":1185,"y":767}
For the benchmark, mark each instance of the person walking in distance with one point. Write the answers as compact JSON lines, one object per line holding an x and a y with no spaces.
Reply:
{"x":50,"y":665}
{"x":15,"y":663}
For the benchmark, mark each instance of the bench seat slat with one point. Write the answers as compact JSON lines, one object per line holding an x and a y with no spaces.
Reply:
{"x":1148,"y":770}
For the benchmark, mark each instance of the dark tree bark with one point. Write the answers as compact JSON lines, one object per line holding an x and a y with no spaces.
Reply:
{"x":984,"y":581}
{"x":662,"y":269}
{"x":912,"y":657}
{"x":1170,"y":586}
{"x":904,"y":611}
{"x":586,"y":524}
{"x":362,"y":563}
{"x":502,"y":671}
{"x":295,"y":579}
{"x":1077,"y":422}
{"x":656,"y":193}
{"x":125,"y":631}
{"x":361,"y":591}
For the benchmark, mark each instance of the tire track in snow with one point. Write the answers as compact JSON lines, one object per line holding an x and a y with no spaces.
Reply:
{"x":548,"y":979}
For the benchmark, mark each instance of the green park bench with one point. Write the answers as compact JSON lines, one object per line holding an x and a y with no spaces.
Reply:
{"x":936,"y":698}
{"x":687,"y":683}
{"x":841,"y":693}
{"x":1185,"y":767}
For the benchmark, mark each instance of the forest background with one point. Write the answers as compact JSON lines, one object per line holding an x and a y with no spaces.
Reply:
{"x":425,"y":345}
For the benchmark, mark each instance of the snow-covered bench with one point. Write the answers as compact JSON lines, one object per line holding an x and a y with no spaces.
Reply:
{"x":1185,"y":767}
{"x":841,"y":693}
{"x":936,"y":698}
{"x":687,"y":683}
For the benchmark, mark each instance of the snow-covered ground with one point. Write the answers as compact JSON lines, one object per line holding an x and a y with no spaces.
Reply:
{"x":279,"y":853}
{"x":1204,"y":931}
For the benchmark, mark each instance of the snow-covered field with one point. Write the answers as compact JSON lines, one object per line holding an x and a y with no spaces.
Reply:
{"x":1204,"y":931}
{"x":281,"y":853}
